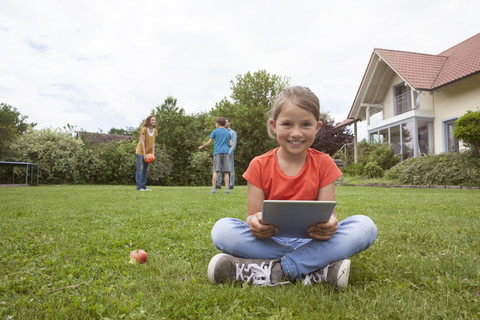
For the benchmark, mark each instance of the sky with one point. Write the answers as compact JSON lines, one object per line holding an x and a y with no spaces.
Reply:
{"x":102,"y":64}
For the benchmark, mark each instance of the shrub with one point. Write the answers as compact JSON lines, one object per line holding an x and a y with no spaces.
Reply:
{"x":59,"y":156}
{"x":456,"y":168}
{"x":354,"y":169}
{"x":161,"y":168}
{"x":373,"y":170}
{"x":63,"y":159}
{"x":200,"y":170}
{"x":467,"y":128}
{"x":384,"y":156}
{"x":117,"y":162}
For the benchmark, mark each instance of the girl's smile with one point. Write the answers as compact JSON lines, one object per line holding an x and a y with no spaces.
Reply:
{"x":295,"y":128}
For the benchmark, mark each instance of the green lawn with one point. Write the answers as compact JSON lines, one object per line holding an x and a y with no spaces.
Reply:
{"x":65,"y":256}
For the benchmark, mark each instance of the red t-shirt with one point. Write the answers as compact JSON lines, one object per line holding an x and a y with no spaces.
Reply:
{"x":318,"y":171}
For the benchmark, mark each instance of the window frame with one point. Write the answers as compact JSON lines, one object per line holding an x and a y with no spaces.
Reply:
{"x":446,"y":135}
{"x":402,"y":102}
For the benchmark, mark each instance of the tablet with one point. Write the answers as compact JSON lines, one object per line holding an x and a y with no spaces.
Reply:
{"x":292,"y":218}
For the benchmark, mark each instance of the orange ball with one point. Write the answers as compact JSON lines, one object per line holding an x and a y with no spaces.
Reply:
{"x":150,"y":158}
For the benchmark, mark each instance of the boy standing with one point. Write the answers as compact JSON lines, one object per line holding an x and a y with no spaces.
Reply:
{"x":221,"y":146}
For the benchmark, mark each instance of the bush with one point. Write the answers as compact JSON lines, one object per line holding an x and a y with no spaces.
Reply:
{"x":117,"y":162}
{"x":467,"y":128}
{"x":200,"y":170}
{"x":456,"y":168}
{"x":382,"y":154}
{"x":373,"y":170}
{"x":61,"y":158}
{"x":161,"y":168}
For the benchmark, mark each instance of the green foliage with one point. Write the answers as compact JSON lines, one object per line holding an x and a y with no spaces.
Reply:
{"x":181,"y":134}
{"x":64,"y":159}
{"x":200,"y":170}
{"x":455,"y":168}
{"x":467,"y":128}
{"x":382,"y":154}
{"x":373,"y":170}
{"x":59,"y":156}
{"x":65,"y":252}
{"x":160,"y":170}
{"x":12,"y":126}
{"x":116,"y":162}
{"x":128,"y":131}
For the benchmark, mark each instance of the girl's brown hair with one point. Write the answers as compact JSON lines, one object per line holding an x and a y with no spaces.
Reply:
{"x":300,"y":96}
{"x":145,"y":124}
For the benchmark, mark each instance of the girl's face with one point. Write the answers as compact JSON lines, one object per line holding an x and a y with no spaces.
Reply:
{"x":153,"y":122}
{"x":295,"y":128}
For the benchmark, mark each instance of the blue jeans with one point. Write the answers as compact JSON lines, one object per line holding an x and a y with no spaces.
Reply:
{"x":232,"y":174}
{"x":299,"y":257}
{"x":141,"y":174}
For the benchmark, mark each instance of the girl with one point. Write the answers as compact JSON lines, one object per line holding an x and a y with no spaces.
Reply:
{"x":146,"y":144}
{"x":292,"y":171}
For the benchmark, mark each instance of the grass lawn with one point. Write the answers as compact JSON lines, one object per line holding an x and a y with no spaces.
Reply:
{"x":65,"y":256}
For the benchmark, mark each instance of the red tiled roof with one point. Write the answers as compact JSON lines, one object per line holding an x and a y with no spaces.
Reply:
{"x":346,"y":122}
{"x":96,"y":138}
{"x":424,"y":71}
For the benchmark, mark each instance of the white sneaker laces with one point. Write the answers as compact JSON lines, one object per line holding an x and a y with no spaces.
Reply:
{"x":259,"y":274}
{"x":316,"y":276}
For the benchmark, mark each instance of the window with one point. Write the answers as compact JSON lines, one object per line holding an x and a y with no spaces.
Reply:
{"x":407,"y":143}
{"x":451,"y":144}
{"x":403,"y":99}
{"x":425,"y":137}
{"x":395,"y":139}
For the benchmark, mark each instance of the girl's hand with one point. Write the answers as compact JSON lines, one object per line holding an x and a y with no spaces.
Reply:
{"x":260,"y":230}
{"x":324,"y":230}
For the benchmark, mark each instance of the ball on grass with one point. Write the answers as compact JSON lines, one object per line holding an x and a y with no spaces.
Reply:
{"x":138,"y":256}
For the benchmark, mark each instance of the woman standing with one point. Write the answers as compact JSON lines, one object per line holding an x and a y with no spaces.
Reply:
{"x":146,"y":144}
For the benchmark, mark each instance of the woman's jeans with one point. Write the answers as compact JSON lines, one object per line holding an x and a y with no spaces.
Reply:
{"x":299,"y":257}
{"x":141,"y":175}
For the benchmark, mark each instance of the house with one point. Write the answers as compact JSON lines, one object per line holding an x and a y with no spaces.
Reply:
{"x":412,"y":100}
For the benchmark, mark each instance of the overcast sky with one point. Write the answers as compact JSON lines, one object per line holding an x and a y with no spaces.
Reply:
{"x":98,"y":64}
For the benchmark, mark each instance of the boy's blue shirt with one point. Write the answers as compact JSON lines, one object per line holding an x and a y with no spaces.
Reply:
{"x":221,"y":137}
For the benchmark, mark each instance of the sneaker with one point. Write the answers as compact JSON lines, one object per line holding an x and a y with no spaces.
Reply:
{"x":212,"y":192}
{"x":335,"y":273}
{"x":218,"y":187}
{"x":227,"y":191}
{"x":230,"y":187}
{"x":140,"y":189}
{"x":147,"y":189}
{"x":224,"y":267}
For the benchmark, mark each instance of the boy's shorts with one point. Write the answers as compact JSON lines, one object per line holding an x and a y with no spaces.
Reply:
{"x":221,"y":162}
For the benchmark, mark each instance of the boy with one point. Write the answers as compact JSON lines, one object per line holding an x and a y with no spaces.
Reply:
{"x":221,"y":146}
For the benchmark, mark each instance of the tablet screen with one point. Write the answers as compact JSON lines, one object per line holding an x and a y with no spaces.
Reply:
{"x":292,"y":218}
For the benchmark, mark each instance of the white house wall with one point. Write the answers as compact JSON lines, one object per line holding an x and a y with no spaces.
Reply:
{"x":453,"y":101}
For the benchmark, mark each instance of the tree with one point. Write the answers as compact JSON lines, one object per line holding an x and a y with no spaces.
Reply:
{"x":253,"y":96}
{"x":467,"y":128}
{"x":127,"y":131}
{"x":12,"y":126}
{"x":181,"y":134}
{"x":330,"y":139}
